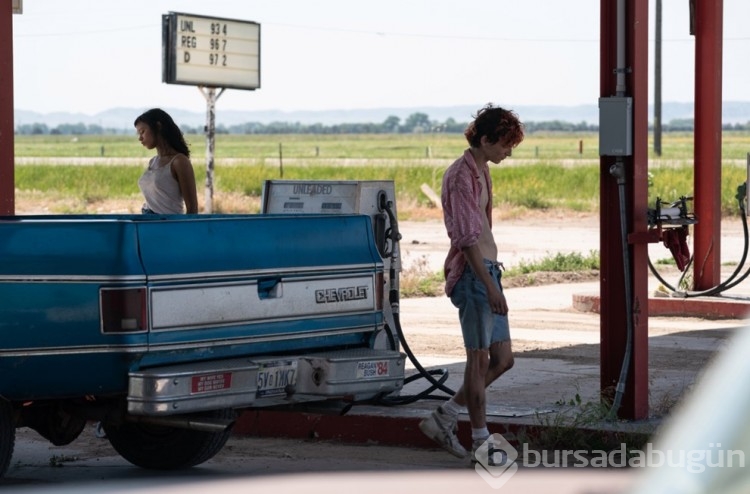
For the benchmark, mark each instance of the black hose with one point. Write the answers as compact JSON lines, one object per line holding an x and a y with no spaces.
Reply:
{"x":617,"y":171}
{"x":393,"y":298}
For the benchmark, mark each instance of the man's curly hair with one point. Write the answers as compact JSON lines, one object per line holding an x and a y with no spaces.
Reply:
{"x":496,"y":123}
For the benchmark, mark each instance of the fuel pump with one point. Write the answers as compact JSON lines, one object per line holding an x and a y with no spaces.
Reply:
{"x":670,"y":225}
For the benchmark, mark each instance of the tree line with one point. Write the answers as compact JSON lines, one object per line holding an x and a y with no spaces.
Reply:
{"x":414,"y":123}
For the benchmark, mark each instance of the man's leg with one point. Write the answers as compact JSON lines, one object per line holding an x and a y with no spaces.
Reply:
{"x":477,"y":364}
{"x":441,"y":425}
{"x":501,"y":361}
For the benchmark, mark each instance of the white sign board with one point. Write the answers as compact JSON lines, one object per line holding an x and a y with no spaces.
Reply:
{"x":210,"y":51}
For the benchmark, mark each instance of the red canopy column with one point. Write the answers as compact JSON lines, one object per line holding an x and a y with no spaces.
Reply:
{"x":615,"y":308}
{"x":706,"y":24}
{"x":7,"y":178}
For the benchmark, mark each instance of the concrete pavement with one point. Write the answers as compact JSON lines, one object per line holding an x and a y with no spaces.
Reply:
{"x":555,"y":331}
{"x":556,"y":368}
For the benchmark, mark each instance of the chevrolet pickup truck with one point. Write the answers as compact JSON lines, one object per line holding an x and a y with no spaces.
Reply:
{"x":162,"y":328}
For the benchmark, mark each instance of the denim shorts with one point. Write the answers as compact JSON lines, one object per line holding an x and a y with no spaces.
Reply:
{"x":479,"y":325}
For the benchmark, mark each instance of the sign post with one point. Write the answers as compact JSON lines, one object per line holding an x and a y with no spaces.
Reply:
{"x":210,"y":53}
{"x":210,"y":94}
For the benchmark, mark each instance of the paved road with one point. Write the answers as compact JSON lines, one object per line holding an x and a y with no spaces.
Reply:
{"x":248,"y":465}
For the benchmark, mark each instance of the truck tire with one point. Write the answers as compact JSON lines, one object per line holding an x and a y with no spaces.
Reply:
{"x":157,"y":447}
{"x":7,"y":435}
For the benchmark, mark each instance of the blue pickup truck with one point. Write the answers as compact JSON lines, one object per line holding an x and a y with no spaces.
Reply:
{"x":163,"y":327}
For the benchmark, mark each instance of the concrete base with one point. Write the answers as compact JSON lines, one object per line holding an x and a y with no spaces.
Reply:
{"x":717,"y":307}
{"x":395,"y":426}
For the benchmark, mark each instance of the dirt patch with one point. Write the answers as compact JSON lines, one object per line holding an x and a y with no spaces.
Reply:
{"x":549,"y":278}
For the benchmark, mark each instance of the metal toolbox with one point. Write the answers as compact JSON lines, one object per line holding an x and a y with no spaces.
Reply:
{"x":193,"y":387}
{"x":360,"y":373}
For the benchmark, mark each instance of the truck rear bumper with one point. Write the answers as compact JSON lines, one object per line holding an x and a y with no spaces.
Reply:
{"x":356,"y":374}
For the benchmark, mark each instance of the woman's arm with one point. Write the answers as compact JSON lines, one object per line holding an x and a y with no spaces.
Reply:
{"x":185,"y":176}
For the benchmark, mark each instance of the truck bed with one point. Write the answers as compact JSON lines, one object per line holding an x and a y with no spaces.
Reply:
{"x":89,"y":300}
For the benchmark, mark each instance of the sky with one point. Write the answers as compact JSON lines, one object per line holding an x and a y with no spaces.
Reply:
{"x":88,"y":56}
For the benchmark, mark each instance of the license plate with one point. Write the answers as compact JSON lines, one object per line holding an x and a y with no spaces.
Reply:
{"x":275,"y":376}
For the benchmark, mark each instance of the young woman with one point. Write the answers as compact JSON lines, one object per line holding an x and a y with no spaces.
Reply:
{"x":168,"y":184}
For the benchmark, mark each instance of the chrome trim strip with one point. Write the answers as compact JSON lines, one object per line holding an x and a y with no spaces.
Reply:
{"x":259,"y":339}
{"x":301,"y":270}
{"x":50,"y":278}
{"x":78,"y":350}
{"x":215,"y":275}
{"x":104,"y":349}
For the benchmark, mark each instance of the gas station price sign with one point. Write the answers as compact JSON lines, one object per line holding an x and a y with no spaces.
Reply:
{"x":210,"y":51}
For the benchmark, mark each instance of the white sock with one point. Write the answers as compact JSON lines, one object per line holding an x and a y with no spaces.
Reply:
{"x":482,"y":433}
{"x":452,"y":408}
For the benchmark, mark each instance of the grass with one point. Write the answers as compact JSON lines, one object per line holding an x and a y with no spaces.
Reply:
{"x":546,"y":172}
{"x":541,"y":186}
{"x":580,"y":427}
{"x":556,"y":263}
{"x":559,"y":171}
{"x":418,"y":281}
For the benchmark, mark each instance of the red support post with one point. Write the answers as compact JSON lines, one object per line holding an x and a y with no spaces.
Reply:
{"x":614,"y":306}
{"x":707,"y":152}
{"x":7,"y":164}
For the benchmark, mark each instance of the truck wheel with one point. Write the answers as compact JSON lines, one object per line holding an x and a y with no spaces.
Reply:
{"x":157,"y":447}
{"x":7,"y":435}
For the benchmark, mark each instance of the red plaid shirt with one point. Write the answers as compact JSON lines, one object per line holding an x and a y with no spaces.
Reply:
{"x":462,"y":213}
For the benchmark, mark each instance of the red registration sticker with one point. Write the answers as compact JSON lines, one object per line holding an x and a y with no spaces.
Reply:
{"x":211,"y":382}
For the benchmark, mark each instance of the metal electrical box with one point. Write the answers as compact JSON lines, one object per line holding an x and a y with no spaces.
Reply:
{"x":616,"y":126}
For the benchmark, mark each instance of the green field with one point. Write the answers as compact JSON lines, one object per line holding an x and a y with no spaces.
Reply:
{"x":550,"y":170}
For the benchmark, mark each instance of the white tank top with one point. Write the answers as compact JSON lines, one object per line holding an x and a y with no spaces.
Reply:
{"x":160,"y":189}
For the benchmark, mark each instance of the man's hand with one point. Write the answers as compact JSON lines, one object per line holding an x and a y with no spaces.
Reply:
{"x":497,"y":301}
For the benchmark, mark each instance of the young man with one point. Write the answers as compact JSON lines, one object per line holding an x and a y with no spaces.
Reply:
{"x":472,"y":275}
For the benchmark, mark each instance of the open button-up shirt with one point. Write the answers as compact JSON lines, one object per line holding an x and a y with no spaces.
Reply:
{"x":462,"y":212}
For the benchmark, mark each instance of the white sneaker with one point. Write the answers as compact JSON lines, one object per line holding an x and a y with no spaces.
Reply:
{"x":441,"y":428}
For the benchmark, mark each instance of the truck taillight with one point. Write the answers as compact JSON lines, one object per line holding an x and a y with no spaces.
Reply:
{"x":123,"y":310}
{"x":379,"y":290}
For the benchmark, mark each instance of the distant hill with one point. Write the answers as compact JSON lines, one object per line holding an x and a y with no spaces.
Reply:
{"x":122,"y":118}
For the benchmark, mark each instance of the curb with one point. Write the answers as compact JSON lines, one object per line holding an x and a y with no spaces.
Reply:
{"x":703,"y":307}
{"x":402,"y":430}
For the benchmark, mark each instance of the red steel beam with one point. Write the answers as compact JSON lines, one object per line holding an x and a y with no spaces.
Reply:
{"x":7,"y":178}
{"x":707,"y":25}
{"x":614,"y":308}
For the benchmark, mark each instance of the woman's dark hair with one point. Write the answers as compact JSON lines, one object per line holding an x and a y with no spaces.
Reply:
{"x":162,"y":124}
{"x":496,"y":123}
